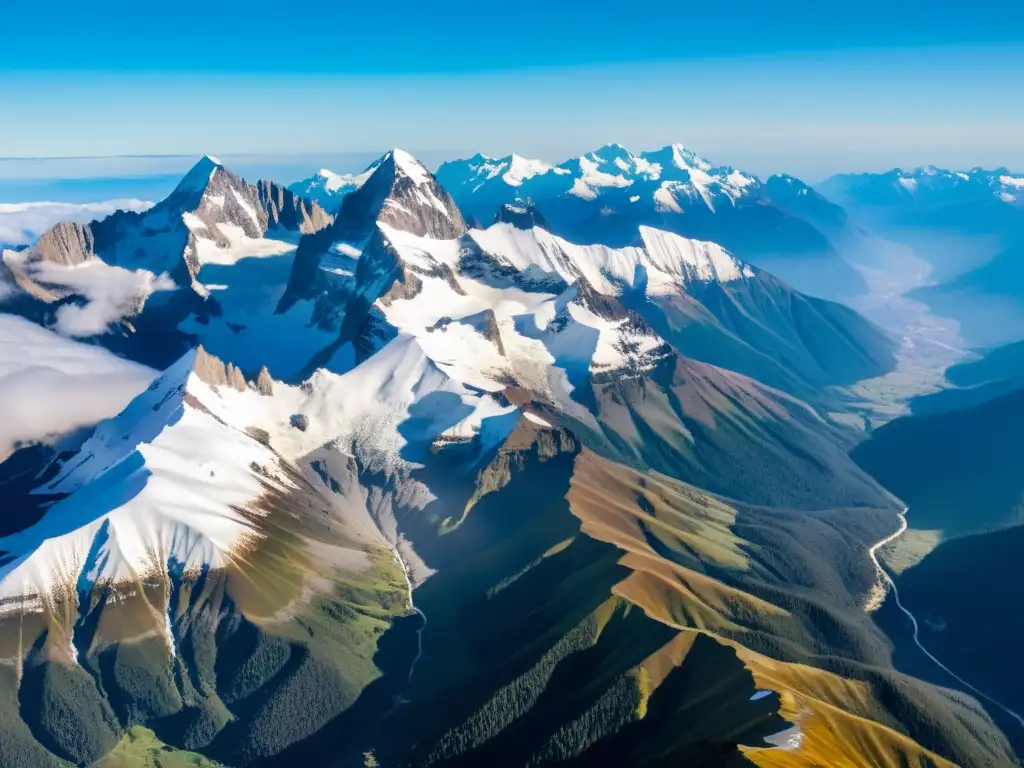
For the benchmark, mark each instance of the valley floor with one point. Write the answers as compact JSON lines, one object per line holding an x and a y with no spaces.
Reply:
{"x":929,"y":344}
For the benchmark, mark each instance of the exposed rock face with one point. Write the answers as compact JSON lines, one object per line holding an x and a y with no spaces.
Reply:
{"x":67,"y":243}
{"x":264,"y":384}
{"x":602,"y":305}
{"x":402,"y":194}
{"x":485,"y":323}
{"x":214,"y":372}
{"x":490,"y":330}
{"x":287,"y":210}
{"x":521,"y":216}
{"x":304,"y":280}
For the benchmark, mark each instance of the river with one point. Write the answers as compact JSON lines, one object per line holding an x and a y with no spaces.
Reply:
{"x":412,"y":607}
{"x":873,"y":553}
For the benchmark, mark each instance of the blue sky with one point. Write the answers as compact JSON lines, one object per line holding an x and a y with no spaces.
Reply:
{"x":807,"y":88}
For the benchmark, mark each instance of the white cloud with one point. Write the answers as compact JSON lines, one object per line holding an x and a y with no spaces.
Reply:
{"x":24,"y":222}
{"x":51,"y":386}
{"x":111,"y":293}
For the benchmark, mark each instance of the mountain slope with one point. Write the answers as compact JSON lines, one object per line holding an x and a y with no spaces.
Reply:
{"x":958,"y":471}
{"x":958,"y":564}
{"x":508,"y":308}
{"x":558,"y":631}
{"x":956,"y":220}
{"x":696,"y":296}
{"x":962,"y":589}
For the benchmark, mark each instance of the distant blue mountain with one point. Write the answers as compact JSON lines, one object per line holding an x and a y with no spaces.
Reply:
{"x":975,"y":201}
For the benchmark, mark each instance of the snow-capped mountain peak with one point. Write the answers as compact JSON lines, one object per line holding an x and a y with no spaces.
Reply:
{"x":678,"y":156}
{"x":111,"y":267}
{"x":333,"y":181}
{"x":402,"y":192}
{"x":605,"y":193}
{"x":595,"y":172}
{"x":194,"y":183}
{"x":480,"y":169}
{"x":409,"y":166}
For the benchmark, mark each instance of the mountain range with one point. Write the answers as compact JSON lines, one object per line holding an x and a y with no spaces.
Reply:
{"x":603,"y":196}
{"x":932,"y":195}
{"x":410,"y":490}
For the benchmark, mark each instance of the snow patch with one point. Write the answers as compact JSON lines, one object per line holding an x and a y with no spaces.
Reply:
{"x":593,"y":176}
{"x":410,"y":166}
{"x":740,"y":180}
{"x":582,"y":191}
{"x":533,"y":417}
{"x":240,"y":246}
{"x":520,"y":169}
{"x":664,"y":199}
{"x":787,"y":740}
{"x":908,"y":184}
{"x":193,"y":222}
{"x":247,"y":207}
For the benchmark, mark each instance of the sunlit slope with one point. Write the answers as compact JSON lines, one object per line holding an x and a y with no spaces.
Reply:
{"x":671,"y":533}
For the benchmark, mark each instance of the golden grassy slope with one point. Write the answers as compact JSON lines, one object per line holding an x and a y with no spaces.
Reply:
{"x":668,"y":532}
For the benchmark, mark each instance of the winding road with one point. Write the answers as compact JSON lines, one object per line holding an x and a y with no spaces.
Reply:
{"x":873,"y":553}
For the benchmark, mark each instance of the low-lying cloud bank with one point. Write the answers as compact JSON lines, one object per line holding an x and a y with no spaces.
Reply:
{"x":51,"y":385}
{"x":22,"y":223}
